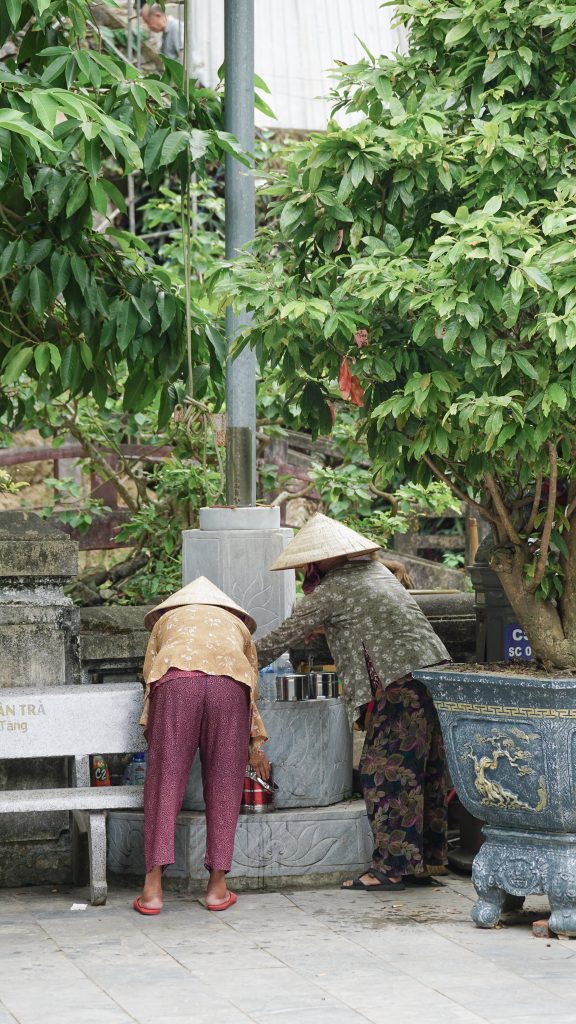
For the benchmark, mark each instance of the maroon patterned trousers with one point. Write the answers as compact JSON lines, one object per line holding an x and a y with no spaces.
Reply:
{"x":191,"y":711}
{"x":403,"y":775}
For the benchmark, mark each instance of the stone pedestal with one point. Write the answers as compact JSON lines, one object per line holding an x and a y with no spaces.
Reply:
{"x":310,"y":747}
{"x":234,"y":548}
{"x":307,"y":846}
{"x":39,"y":644}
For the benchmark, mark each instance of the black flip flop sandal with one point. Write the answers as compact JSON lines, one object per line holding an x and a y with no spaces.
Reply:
{"x":384,"y":883}
{"x":421,"y":881}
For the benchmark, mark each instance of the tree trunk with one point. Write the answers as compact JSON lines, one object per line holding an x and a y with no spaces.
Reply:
{"x":540,"y":620}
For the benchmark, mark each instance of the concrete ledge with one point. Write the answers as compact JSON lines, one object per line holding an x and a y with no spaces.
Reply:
{"x":284,"y":849}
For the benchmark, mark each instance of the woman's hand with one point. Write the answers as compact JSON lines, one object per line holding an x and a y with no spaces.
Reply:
{"x":315,"y":633}
{"x":260,"y":763}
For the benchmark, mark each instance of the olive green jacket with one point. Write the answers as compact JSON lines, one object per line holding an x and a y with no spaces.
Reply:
{"x":358,"y":604}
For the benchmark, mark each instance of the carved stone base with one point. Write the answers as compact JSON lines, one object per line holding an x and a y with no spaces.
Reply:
{"x":518,"y":864}
{"x":304,"y":846}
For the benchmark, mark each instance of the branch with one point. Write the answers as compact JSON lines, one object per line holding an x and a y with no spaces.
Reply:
{"x":535,"y":504}
{"x":387,"y":497}
{"x":101,"y":463}
{"x":288,"y":495}
{"x":549,"y":521}
{"x":484,"y":512}
{"x":500,"y":507}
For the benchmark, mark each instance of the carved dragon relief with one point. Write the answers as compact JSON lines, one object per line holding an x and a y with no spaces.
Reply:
{"x":510,"y":747}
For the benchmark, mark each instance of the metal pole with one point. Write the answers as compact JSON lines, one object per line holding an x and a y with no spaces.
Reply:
{"x":131,"y":194}
{"x":240,"y":226}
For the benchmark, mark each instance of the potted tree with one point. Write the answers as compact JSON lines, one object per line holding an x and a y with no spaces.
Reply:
{"x":424,"y":266}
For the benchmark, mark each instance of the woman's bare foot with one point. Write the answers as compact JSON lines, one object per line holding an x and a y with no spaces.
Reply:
{"x":217,"y":891}
{"x":368,"y":880}
{"x":152,"y":891}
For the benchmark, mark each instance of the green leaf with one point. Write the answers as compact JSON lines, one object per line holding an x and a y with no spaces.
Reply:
{"x":56,"y":191}
{"x":7,"y":257}
{"x":457,"y":33}
{"x":71,"y":368}
{"x":174,"y":144}
{"x":60,"y":270}
{"x":20,"y":291}
{"x":525,"y":366}
{"x":42,"y":357}
{"x":39,"y":250}
{"x":16,"y":363}
{"x":126,"y":322}
{"x":493,"y":205}
{"x":433,"y":127}
{"x":167,"y":310}
{"x":14,"y":9}
{"x":199,"y":142}
{"x":557,"y":395}
{"x":78,"y":196}
{"x":39,"y":291}
{"x":114,"y":194}
{"x":45,"y":108}
{"x":538,"y":277}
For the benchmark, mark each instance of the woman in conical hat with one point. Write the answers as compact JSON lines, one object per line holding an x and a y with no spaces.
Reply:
{"x":377,"y":636}
{"x":201,"y":674}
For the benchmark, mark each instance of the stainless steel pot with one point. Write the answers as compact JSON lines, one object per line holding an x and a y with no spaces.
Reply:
{"x":323,"y":685}
{"x":292,"y":687}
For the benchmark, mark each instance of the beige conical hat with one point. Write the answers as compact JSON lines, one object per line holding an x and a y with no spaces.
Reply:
{"x":200,"y":591}
{"x":322,"y":538}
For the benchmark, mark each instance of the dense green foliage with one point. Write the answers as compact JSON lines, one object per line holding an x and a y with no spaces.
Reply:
{"x":442,"y":224}
{"x":85,"y":307}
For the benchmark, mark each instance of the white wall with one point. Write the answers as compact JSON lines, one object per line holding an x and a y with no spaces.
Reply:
{"x":296,"y":44}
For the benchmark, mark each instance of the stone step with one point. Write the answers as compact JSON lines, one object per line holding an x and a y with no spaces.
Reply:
{"x":282,"y":849}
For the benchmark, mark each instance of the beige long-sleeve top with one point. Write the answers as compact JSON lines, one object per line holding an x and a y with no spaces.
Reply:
{"x":204,"y":638}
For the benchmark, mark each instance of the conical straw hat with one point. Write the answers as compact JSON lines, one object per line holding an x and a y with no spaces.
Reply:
{"x":200,"y":591}
{"x":322,"y":538}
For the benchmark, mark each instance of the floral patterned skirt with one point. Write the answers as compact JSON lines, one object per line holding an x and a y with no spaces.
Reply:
{"x":403,"y":774}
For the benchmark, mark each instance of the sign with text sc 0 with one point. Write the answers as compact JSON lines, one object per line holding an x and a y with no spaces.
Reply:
{"x":517,"y":646}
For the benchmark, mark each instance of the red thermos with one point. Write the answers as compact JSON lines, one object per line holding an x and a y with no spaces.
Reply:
{"x":257,"y":795}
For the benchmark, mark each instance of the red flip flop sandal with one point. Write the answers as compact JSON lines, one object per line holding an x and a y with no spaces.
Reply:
{"x":147,"y":911}
{"x":232,"y":899}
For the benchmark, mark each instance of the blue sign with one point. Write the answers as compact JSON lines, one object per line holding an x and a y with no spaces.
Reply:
{"x":517,"y":646}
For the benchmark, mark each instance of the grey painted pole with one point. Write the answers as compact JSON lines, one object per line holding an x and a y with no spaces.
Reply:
{"x":240,"y":225}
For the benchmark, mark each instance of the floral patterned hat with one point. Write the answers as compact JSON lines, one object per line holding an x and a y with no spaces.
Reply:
{"x":322,"y":538}
{"x":199,"y":591}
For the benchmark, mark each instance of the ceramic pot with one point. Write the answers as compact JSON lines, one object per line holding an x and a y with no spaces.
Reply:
{"x":511,"y":748}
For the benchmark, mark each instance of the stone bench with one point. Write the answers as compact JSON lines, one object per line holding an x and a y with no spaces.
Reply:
{"x":75,"y":722}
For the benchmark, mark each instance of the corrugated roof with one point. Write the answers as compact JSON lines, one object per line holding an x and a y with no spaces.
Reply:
{"x":296,"y":44}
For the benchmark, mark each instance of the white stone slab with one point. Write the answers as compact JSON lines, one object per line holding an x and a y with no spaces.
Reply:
{"x":82,"y":798}
{"x":260,"y":517}
{"x":71,"y":720}
{"x":238,"y":561}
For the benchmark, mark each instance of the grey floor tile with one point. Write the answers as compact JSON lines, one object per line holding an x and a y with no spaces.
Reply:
{"x":316,"y":1015}
{"x":420,"y":1015}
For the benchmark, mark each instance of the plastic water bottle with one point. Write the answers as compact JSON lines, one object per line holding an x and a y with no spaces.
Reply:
{"x":267,"y":683}
{"x":138,"y":765}
{"x":283,"y":666}
{"x":267,"y":676}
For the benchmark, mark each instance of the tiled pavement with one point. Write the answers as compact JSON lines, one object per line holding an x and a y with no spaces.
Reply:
{"x":306,"y":957}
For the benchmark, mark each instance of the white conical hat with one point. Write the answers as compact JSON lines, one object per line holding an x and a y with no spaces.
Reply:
{"x":199,"y":591}
{"x":322,"y":538}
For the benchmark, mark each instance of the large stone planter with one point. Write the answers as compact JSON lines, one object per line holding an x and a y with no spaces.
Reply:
{"x":511,"y":747}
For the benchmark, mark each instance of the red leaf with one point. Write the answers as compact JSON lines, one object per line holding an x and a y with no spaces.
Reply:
{"x":345,"y":379}
{"x":339,"y":240}
{"x":361,"y":338}
{"x":356,"y":392}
